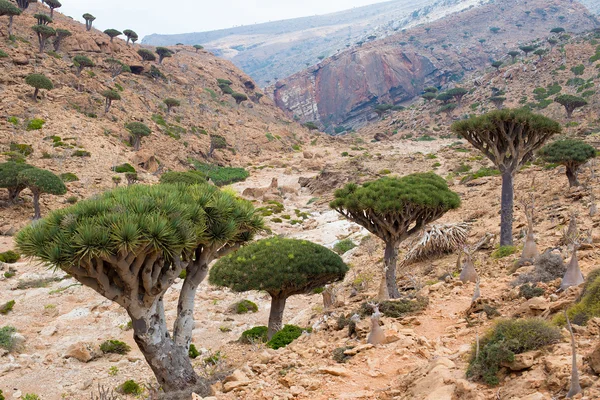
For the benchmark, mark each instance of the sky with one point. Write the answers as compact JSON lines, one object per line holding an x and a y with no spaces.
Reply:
{"x":184,"y":16}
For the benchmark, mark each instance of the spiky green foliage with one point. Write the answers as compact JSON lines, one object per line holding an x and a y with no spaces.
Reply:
{"x":570,"y":103}
{"x":60,"y":35}
{"x":221,"y":176}
{"x":457,"y":93}
{"x":311,"y":126}
{"x":498,"y":101}
{"x":9,"y":172}
{"x":110,"y":95}
{"x":557,"y":30}
{"x":448,"y":108}
{"x":115,"y":346}
{"x":38,"y":81}
{"x":527,"y":49}
{"x":40,"y":181}
{"x":112,"y":33}
{"x":444,"y":97}
{"x":430,"y":89}
{"x":80,"y":62}
{"x":285,"y":336}
{"x":278,"y":266}
{"x":53,"y":4}
{"x":570,"y":153}
{"x":130,"y":35}
{"x":225,"y":88}
{"x":258,"y":334}
{"x":137,"y":130}
{"x":131,"y":387}
{"x":244,"y":307}
{"x":43,"y":33}
{"x":428,"y":96}
{"x":8,"y":8}
{"x":506,"y":339}
{"x":9,"y":257}
{"x":186,"y":178}
{"x":42,"y":19}
{"x":239,"y":97}
{"x":381,"y":109}
{"x":163,"y":53}
{"x":588,"y":306}
{"x":116,"y":67}
{"x":146,"y":55}
{"x":193,"y":351}
{"x":171,"y":103}
{"x":497,"y":64}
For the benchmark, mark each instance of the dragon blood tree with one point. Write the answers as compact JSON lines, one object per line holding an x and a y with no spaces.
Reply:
{"x":131,"y":243}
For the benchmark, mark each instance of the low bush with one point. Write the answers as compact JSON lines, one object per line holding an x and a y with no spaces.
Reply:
{"x":339,"y":356}
{"x":221,"y":176}
{"x":72,"y":199}
{"x":482,"y":172}
{"x":529,"y":292}
{"x":35,"y":124}
{"x":506,"y":339}
{"x":7,"y":307}
{"x":9,"y":257}
{"x":193,"y":351}
{"x":588,"y":306}
{"x":124,"y":168}
{"x":343,"y":246}
{"x":187,"y":177}
{"x":81,"y":153}
{"x":115,"y":347}
{"x":24,"y":149}
{"x":395,"y":308}
{"x":30,"y":396}
{"x":285,"y":336}
{"x":547,"y":267}
{"x":504,"y":251}
{"x":245,"y":306}
{"x":130,"y":387}
{"x":254,"y":335}
{"x":69,"y":177}
{"x":7,"y":341}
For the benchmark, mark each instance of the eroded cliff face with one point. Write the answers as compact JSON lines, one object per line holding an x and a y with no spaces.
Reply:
{"x":342,"y":90}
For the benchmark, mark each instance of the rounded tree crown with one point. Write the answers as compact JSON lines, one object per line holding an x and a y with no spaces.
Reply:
{"x":186,"y":178}
{"x":146,"y":55}
{"x":172,"y":102}
{"x":44,"y":30}
{"x":63,"y":33}
{"x":39,"y":81}
{"x":570,"y":100}
{"x":83,"y":61}
{"x":111,"y":94}
{"x":138,"y":129}
{"x":278,"y":266}
{"x":394,"y":195}
{"x":8,"y":8}
{"x":88,"y":17}
{"x":457,"y":92}
{"x":41,"y":180}
{"x":444,"y":96}
{"x":129,"y":33}
{"x":113,"y":32}
{"x":53,"y":3}
{"x":172,"y":220}
{"x":163,"y":52}
{"x":9,"y":172}
{"x":568,"y":151}
{"x":198,"y":47}
{"x":239,"y":96}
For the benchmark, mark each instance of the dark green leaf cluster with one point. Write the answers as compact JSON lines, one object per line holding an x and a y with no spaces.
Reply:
{"x":278,"y":265}
{"x":221,"y":176}
{"x":527,"y":49}
{"x":115,"y":346}
{"x":8,"y":8}
{"x":44,"y":31}
{"x":172,"y":220}
{"x":397,"y":308}
{"x":198,"y":47}
{"x":130,"y":34}
{"x":394,"y":195}
{"x":131,"y":387}
{"x":41,"y":180}
{"x":448,"y":108}
{"x":138,"y":129}
{"x":570,"y":101}
{"x":244,"y":307}
{"x":557,"y":30}
{"x":429,"y":96}
{"x":568,"y":151}
{"x":146,"y":55}
{"x":221,"y":81}
{"x":258,"y":334}
{"x":53,"y":3}
{"x":63,"y":33}
{"x":113,"y":33}
{"x":504,"y":341}
{"x":164,"y":52}
{"x":111,"y":94}
{"x":457,"y":92}
{"x":170,"y":102}
{"x":42,"y":19}
{"x":9,"y":172}
{"x":588,"y":306}
{"x":311,"y":126}
{"x":239,"y":97}
{"x":88,"y":17}
{"x":39,"y":81}
{"x":430,"y":89}
{"x":186,"y":178}
{"x":287,"y":335}
{"x":9,"y":257}
{"x":225,"y":88}
{"x":123,"y":168}
{"x":193,"y":351}
{"x":444,"y":97}
{"x":82,"y":61}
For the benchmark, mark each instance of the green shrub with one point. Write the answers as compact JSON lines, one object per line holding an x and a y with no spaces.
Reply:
{"x":482,"y":172}
{"x":578,"y":69}
{"x":124,"y":168}
{"x":343,"y":246}
{"x":221,"y":175}
{"x":13,"y":120}
{"x":588,"y":305}
{"x":285,"y":336}
{"x":115,"y":346}
{"x":245,"y":306}
{"x":7,"y":307}
{"x":24,"y":149}
{"x":35,"y":124}
{"x":345,"y":154}
{"x":395,"y":308}
{"x":69,"y":177}
{"x":6,"y":340}
{"x":187,"y":177}
{"x":130,"y":387}
{"x":254,"y":335}
{"x":1,"y":395}
{"x":3,"y":55}
{"x":81,"y":153}
{"x":193,"y":351}
{"x":30,"y":396}
{"x":506,"y":339}
{"x":529,"y":292}
{"x":9,"y":257}
{"x":72,"y":199}
{"x":504,"y":251}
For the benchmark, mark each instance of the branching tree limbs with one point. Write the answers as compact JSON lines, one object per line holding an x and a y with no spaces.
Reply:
{"x":570,"y":153}
{"x":89,"y":20}
{"x":394,"y":209}
{"x":7,"y":8}
{"x":509,"y":139}
{"x":130,"y":244}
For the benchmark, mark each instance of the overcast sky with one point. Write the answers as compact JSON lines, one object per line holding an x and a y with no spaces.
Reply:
{"x":183,"y":16}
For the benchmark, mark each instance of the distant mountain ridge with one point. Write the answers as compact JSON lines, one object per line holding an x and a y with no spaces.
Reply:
{"x":274,"y":50}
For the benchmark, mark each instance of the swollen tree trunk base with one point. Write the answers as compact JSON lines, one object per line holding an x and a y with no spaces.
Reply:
{"x":276,"y":314}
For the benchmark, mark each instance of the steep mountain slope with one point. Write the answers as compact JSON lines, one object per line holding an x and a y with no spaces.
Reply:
{"x":278,"y":49}
{"x":75,"y":120}
{"x":342,"y":90}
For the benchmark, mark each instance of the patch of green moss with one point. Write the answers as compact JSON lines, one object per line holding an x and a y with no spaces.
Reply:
{"x":193,"y":351}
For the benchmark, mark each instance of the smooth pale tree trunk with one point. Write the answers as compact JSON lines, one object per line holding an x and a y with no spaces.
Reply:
{"x":184,"y":324}
{"x":572,"y":176}
{"x":170,"y":363}
{"x":276,"y":315}
{"x":390,"y":259}
{"x":506,"y":209}
{"x":36,"y":205}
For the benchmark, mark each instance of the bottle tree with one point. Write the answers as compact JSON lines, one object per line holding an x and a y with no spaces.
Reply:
{"x":394,"y":209}
{"x":508,"y":137}
{"x":9,"y":9}
{"x":137,"y":130}
{"x":38,"y":81}
{"x":89,"y":20}
{"x":130,"y":244}
{"x":570,"y":103}
{"x":570,"y":153}
{"x":280,"y":267}
{"x":40,"y":181}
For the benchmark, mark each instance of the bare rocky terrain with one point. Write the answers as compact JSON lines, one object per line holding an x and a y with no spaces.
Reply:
{"x":61,"y":324}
